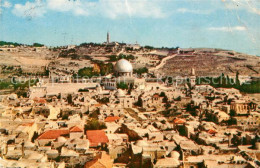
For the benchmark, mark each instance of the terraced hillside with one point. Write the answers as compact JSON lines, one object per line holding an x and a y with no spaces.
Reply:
{"x":212,"y":63}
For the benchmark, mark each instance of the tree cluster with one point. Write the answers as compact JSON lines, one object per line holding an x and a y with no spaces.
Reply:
{"x":227,"y":82}
{"x":94,"y":124}
{"x":114,"y":58}
{"x":122,"y":86}
{"x":140,"y":71}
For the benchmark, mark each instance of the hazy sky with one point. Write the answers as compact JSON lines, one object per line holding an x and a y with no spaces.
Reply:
{"x":227,"y":24}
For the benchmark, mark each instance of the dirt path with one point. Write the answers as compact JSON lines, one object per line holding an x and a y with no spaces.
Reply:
{"x":163,"y":62}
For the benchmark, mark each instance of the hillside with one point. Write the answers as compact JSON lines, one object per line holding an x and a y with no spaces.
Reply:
{"x":211,"y":62}
{"x":206,"y":62}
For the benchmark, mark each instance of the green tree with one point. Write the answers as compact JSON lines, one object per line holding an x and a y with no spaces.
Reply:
{"x":2,"y":43}
{"x":69,"y":99}
{"x":165,"y":99}
{"x":105,"y":68}
{"x":232,"y":113}
{"x":113,"y":58}
{"x":178,"y":98}
{"x":37,"y":45}
{"x":127,"y":57}
{"x":237,"y":79}
{"x":5,"y":85}
{"x":149,"y":47}
{"x":139,"y":102}
{"x":94,"y":124}
{"x":130,"y":88}
{"x":95,"y":114}
{"x":86,"y":72}
{"x":103,"y":100}
{"x":122,"y":85}
{"x":167,"y":105}
{"x":253,"y":87}
{"x":162,"y":94}
{"x":141,"y":71}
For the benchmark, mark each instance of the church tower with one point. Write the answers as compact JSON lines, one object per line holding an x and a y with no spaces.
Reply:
{"x":108,"y":38}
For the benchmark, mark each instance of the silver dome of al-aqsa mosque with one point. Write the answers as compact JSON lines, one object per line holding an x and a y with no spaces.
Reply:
{"x":123,"y":71}
{"x":123,"y":68}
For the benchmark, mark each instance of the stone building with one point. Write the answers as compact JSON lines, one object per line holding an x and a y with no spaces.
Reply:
{"x":240,"y":107}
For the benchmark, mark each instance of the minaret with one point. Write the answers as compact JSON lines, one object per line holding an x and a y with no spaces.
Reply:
{"x":192,"y":72}
{"x":192,"y":78}
{"x":108,"y":38}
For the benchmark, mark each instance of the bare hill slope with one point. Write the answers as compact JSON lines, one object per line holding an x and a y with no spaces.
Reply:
{"x":212,"y":63}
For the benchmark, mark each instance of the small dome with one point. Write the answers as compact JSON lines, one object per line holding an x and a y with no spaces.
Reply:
{"x":120,"y":93}
{"x":123,"y":66}
{"x":175,"y":154}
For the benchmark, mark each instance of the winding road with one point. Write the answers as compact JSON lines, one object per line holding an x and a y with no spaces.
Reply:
{"x":162,"y":63}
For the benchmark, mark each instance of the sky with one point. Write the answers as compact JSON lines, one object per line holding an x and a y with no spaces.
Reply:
{"x":225,"y":24}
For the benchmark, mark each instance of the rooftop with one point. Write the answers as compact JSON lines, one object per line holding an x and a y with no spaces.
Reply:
{"x":112,"y":119}
{"x":53,"y":134}
{"x":75,"y":129}
{"x":96,"y":137}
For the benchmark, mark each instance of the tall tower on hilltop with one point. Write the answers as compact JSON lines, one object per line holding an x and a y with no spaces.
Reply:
{"x":108,"y":38}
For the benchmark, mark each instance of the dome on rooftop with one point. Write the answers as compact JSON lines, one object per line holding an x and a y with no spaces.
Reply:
{"x":123,"y":66}
{"x":175,"y":154}
{"x":120,"y":93}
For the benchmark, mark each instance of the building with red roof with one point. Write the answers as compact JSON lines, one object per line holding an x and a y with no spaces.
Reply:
{"x":156,"y":96}
{"x":96,"y":137}
{"x":76,"y":132}
{"x":50,"y":135}
{"x":211,"y":131}
{"x":178,"y":121}
{"x":98,"y":105}
{"x":39,"y":100}
{"x":75,"y":129}
{"x":53,"y":134}
{"x":112,"y":119}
